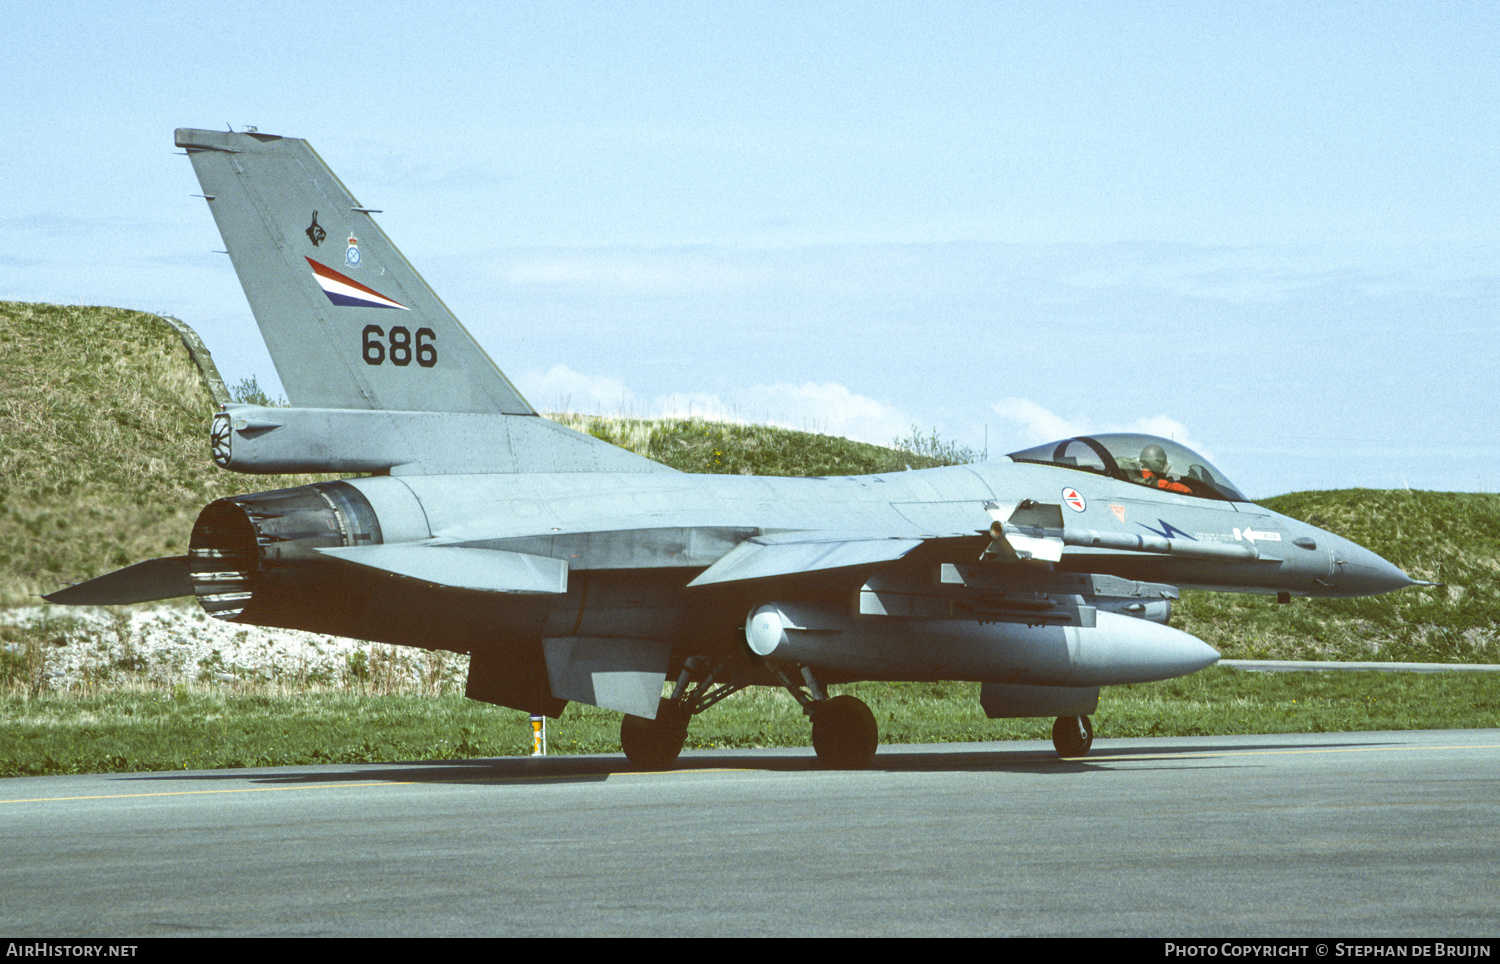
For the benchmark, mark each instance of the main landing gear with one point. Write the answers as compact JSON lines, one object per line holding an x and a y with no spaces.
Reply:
{"x":844,"y":732}
{"x":1072,"y":736}
{"x":655,"y":744}
{"x":845,"y":735}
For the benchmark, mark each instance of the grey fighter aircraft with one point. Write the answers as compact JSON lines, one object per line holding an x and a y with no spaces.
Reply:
{"x":569,"y":569}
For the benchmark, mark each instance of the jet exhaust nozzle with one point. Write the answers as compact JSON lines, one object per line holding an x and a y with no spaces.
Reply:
{"x":247,"y":553}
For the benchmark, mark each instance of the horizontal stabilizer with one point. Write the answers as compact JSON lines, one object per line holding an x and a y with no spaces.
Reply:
{"x":146,"y":581}
{"x":485,"y":570}
{"x":763,"y":557}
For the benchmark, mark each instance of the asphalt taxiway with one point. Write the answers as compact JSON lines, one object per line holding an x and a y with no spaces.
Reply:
{"x":1343,"y":834}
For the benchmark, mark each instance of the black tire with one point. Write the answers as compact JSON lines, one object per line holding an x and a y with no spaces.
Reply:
{"x":655,"y":744}
{"x":844,"y":733}
{"x":1072,"y":736}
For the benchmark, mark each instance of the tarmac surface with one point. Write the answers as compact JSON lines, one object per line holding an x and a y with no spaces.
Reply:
{"x":1342,"y":835}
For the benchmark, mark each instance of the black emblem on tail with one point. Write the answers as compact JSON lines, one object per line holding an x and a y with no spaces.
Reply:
{"x":315,"y":232}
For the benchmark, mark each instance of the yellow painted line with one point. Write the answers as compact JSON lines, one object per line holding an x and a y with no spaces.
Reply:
{"x":1211,"y":754}
{"x":652,"y":773}
{"x":375,"y":783}
{"x":189,"y":793}
{"x":534,"y":777}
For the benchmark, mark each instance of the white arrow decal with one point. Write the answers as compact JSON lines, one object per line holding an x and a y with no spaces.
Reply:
{"x":1250,"y":535}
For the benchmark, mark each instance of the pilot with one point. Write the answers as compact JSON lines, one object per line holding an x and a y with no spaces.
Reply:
{"x":1154,"y":470}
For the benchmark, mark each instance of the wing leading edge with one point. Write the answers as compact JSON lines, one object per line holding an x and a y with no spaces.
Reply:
{"x":484,"y":570}
{"x":794,"y":553}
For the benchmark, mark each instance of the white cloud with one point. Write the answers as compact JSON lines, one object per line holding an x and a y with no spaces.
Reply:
{"x":695,"y":405}
{"x":561,"y":389}
{"x":1036,"y":424}
{"x":662,"y":271}
{"x":827,"y":407}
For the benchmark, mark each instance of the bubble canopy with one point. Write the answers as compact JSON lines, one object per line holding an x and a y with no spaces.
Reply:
{"x":1145,"y":460}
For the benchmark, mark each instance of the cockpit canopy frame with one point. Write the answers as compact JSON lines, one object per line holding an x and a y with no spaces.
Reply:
{"x":1144,"y":460}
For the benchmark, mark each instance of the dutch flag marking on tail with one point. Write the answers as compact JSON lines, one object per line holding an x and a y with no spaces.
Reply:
{"x":343,"y":290}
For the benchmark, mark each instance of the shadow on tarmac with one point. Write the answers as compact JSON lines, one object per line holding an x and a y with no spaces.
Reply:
{"x":1031,"y":758}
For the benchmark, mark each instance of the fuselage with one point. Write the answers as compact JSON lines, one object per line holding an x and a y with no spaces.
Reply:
{"x":632,"y":543}
{"x":1186,"y":541}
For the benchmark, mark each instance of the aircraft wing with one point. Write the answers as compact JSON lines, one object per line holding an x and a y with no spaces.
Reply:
{"x":786,"y":554}
{"x":503,"y":570}
{"x":485,"y":570}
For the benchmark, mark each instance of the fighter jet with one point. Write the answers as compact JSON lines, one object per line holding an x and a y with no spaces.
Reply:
{"x":569,"y":569}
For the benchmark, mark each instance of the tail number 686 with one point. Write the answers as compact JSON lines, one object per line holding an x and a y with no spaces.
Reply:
{"x":399,"y":348}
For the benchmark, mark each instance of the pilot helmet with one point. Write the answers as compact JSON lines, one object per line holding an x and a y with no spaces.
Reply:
{"x":1154,"y":459}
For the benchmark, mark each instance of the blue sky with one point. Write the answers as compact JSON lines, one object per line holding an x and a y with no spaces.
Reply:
{"x":1271,"y":231}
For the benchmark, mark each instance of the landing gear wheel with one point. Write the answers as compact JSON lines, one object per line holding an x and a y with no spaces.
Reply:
{"x":844,"y":733}
{"x":1072,"y":735}
{"x":655,"y":744}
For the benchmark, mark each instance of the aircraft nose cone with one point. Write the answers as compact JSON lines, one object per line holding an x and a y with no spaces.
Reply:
{"x":1359,"y":572}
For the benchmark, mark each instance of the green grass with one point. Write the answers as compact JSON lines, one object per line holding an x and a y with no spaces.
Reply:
{"x":192,"y":727}
{"x":1447,"y":537}
{"x":729,"y":448}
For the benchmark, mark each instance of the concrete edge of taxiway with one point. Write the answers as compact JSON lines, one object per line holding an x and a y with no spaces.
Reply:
{"x":1322,"y":666}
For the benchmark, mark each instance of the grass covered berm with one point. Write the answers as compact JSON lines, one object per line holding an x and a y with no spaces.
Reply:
{"x":1451,"y":538}
{"x":104,"y":462}
{"x":104,"y":446}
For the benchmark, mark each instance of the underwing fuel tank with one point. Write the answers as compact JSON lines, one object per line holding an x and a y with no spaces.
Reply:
{"x":1097,"y":649}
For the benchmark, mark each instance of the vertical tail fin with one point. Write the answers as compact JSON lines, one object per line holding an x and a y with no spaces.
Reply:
{"x":348,"y":321}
